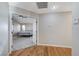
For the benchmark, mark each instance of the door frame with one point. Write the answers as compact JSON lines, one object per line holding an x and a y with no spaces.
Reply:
{"x":11,"y":36}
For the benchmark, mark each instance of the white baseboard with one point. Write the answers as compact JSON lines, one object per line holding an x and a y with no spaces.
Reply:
{"x":56,"y":45}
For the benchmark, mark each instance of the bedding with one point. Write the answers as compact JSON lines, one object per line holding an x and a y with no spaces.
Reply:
{"x":27,"y":33}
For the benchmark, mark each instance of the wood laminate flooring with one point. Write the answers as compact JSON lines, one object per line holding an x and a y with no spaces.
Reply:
{"x":42,"y":51}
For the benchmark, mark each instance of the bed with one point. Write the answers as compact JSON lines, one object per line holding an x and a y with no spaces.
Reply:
{"x":28,"y":33}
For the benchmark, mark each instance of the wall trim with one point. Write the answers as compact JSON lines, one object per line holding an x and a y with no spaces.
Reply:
{"x":56,"y":45}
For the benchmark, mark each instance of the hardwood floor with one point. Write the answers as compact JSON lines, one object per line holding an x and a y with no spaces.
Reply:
{"x":42,"y":51}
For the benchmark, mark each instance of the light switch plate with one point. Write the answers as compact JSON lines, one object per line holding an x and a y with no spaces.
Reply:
{"x":75,"y":21}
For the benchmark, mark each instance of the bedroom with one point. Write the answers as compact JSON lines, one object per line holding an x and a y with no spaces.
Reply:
{"x":53,"y":26}
{"x":39,"y":28}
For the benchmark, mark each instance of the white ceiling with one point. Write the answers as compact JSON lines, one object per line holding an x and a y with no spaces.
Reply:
{"x":32,"y":6}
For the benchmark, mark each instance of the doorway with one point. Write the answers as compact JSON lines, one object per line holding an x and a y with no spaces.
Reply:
{"x":23,"y":32}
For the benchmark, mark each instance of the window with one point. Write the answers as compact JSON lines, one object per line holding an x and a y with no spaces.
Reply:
{"x":23,"y":27}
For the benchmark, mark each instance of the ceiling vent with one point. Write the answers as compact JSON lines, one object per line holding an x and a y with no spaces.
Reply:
{"x":42,"y":5}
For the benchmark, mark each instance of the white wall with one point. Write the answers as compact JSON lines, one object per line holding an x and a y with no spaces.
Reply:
{"x":75,"y":32}
{"x":4,"y":17}
{"x":55,"y":29}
